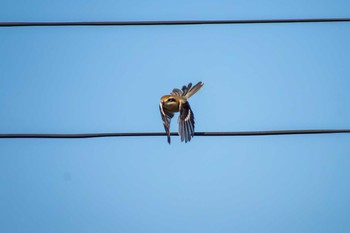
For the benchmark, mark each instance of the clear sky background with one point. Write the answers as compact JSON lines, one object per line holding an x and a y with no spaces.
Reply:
{"x":110,"y":79}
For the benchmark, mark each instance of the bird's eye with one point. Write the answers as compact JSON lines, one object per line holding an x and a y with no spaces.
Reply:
{"x":171,"y":100}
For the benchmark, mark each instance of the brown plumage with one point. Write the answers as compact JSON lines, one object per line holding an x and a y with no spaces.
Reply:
{"x":177,"y":102}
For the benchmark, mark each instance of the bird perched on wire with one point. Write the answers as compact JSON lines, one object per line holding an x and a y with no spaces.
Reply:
{"x":177,"y":102}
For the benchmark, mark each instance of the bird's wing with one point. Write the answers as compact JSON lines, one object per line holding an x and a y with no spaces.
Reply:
{"x":166,"y":117}
{"x":186,"y":122}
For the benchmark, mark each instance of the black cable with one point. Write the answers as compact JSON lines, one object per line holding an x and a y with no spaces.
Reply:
{"x":241,"y":133}
{"x":171,"y":22}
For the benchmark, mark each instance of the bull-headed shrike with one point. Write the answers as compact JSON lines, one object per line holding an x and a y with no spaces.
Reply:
{"x":177,"y":102}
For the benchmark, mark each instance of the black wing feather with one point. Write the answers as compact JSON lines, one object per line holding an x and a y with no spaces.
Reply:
{"x":186,"y":122}
{"x":166,"y":117}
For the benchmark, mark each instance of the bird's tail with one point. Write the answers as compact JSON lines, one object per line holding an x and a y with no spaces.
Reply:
{"x":188,"y":91}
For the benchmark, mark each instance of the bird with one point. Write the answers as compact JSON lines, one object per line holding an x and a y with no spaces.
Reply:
{"x":177,"y":101}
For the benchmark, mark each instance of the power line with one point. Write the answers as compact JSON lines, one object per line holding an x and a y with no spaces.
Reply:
{"x":152,"y":134}
{"x":171,"y":22}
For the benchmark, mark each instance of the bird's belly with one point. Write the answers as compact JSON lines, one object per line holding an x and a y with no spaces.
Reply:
{"x":172,"y":108}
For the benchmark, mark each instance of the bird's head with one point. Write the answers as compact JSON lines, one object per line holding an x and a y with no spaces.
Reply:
{"x":170,"y":103}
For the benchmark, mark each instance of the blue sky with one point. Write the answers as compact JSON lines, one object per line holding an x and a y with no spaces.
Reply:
{"x":110,"y":79}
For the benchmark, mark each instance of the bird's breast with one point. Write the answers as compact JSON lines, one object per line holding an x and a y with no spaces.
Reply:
{"x":172,"y":107}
